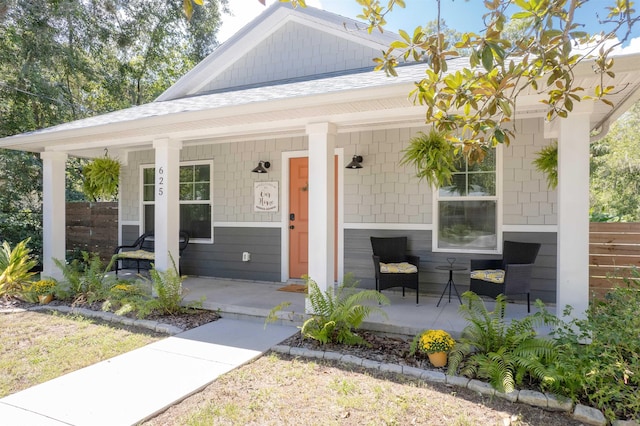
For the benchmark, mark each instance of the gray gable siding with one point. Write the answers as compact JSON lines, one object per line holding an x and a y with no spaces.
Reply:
{"x":293,"y":51}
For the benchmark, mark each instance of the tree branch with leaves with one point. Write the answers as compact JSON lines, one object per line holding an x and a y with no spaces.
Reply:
{"x":474,"y":106}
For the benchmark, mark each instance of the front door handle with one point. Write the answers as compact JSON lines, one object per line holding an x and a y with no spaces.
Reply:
{"x":292,"y":216}
{"x":291,"y":227}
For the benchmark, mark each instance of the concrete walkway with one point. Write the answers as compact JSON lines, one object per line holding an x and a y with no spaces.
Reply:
{"x":129,"y":388}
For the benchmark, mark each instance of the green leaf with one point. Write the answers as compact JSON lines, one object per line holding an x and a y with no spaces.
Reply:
{"x":398,"y":44}
{"x":405,"y":36}
{"x":487,"y":58}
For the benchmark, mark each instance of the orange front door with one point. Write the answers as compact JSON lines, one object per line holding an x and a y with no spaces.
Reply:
{"x":299,"y":217}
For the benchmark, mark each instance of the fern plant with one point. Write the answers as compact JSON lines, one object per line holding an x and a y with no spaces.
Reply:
{"x":433,"y":156}
{"x":169,"y":292}
{"x":85,"y":280}
{"x":337,"y":314}
{"x":504,"y":353}
{"x":15,"y":268}
{"x":547,"y":162}
{"x":101,"y":177}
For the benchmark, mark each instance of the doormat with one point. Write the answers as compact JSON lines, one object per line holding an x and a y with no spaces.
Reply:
{"x":294,"y":288}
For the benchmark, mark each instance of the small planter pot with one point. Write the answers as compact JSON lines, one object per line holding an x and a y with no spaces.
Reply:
{"x":45,"y":298}
{"x":438,"y":359}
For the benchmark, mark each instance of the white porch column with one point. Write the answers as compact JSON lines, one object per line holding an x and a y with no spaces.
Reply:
{"x":322,"y":142}
{"x":573,"y":214}
{"x":167,"y":203}
{"x":53,"y":211}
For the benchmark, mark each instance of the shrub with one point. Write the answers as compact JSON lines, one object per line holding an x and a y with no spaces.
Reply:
{"x":85,"y":280}
{"x":431,"y":341}
{"x":505,"y":354}
{"x":124,"y":297}
{"x":15,"y":268}
{"x":336,"y":315}
{"x":169,"y":294}
{"x":605,"y":373}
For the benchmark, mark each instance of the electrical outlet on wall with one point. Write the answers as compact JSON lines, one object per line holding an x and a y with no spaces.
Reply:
{"x":246,"y":256}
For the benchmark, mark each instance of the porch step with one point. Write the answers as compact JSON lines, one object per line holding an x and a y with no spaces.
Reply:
{"x":284,"y":317}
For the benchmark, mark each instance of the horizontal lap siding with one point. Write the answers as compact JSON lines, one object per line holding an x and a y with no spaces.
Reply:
{"x":358,"y":261}
{"x":223,"y":259}
{"x":130,"y":233}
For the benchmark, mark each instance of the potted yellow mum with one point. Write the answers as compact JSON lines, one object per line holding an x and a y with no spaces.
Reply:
{"x":44,"y":290}
{"x":435,"y":343}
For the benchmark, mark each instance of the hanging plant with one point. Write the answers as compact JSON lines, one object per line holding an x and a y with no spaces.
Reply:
{"x":101,"y":176}
{"x":433,"y":156}
{"x":547,"y":162}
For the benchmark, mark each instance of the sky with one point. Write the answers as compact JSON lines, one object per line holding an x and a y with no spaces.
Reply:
{"x":461,"y":15}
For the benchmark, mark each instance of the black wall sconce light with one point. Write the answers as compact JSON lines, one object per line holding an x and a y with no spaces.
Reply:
{"x":262,"y":167}
{"x":355,"y":162}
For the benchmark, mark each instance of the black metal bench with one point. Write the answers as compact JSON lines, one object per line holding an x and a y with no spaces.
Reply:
{"x":143,"y":250}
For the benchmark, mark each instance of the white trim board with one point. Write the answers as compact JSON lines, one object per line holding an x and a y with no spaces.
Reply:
{"x":248,"y":224}
{"x":378,"y":226}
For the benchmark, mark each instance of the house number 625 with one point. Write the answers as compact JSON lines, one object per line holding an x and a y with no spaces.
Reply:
{"x":160,"y":182}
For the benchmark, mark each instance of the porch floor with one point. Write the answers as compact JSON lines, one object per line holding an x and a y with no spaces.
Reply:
{"x":255,"y":299}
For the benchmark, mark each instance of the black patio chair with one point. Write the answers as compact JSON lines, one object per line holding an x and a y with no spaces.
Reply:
{"x":394,"y":267}
{"x":510,"y":275}
{"x":142,"y":250}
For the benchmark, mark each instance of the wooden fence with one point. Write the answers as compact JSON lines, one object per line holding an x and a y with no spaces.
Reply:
{"x":92,"y":227}
{"x":614,"y":252}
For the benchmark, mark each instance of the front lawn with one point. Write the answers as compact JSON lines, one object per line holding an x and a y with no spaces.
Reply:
{"x":38,"y":346}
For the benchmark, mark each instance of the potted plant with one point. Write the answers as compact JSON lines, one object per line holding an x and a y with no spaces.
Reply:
{"x":44,"y":290}
{"x":435,"y":343}
{"x":101,"y":177}
{"x":433,"y":156}
{"x":547,"y":162}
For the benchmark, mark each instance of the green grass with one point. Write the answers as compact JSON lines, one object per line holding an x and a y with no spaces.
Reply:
{"x":36,"y":347}
{"x":280,"y":390}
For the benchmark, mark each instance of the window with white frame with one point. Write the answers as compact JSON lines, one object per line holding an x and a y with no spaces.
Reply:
{"x":466,"y":213}
{"x":196,"y":200}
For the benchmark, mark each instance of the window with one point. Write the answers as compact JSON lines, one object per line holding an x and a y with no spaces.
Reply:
{"x":466,"y":213}
{"x":196,"y":205}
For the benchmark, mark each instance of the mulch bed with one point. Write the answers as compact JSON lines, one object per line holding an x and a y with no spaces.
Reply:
{"x":186,"y":321}
{"x":384,"y":348}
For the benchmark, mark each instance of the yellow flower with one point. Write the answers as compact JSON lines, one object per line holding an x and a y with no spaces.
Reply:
{"x":123,"y":288}
{"x":43,"y":287}
{"x":432,"y":341}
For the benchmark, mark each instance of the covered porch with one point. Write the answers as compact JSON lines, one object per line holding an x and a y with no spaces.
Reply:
{"x":255,"y":299}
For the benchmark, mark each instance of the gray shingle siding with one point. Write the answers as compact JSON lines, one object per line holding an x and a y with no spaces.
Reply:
{"x":294,"y":50}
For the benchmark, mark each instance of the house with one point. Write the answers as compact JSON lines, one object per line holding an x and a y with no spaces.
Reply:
{"x":296,"y":89}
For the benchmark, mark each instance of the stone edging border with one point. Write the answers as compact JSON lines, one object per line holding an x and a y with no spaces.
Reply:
{"x":111,"y":317}
{"x":550,"y":402}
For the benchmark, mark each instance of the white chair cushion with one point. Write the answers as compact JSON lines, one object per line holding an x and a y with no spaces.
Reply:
{"x":136,"y":255}
{"x":495,"y":276}
{"x":398,"y":268}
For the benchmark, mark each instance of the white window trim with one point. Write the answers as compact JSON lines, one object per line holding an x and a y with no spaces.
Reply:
{"x":210,"y":201}
{"x":498,"y":198}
